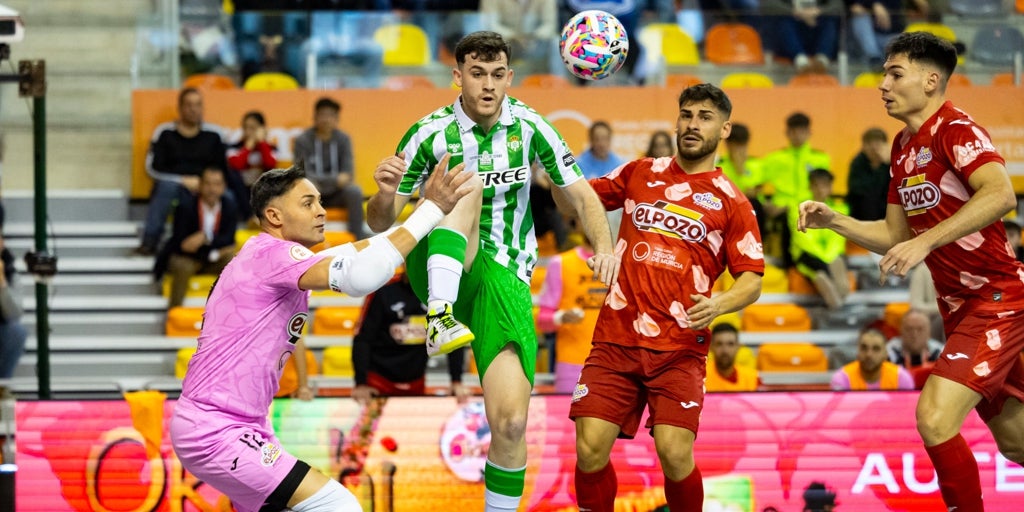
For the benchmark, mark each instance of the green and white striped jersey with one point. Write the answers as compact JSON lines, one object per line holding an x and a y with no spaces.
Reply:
{"x":502,"y":158}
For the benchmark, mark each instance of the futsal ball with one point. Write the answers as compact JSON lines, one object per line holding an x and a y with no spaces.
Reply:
{"x":593,"y":45}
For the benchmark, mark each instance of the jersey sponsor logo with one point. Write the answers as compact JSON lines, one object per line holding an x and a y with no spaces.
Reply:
{"x":656,"y":183}
{"x":923,"y":157}
{"x":707,"y":200}
{"x":505,"y":177}
{"x":917,"y":194}
{"x":968,"y":152}
{"x":299,"y":253}
{"x":455,"y":148}
{"x":958,"y":355}
{"x":900,"y":160}
{"x":514,"y":143}
{"x":580,"y":392}
{"x":567,"y":159}
{"x":689,"y":405}
{"x":269,"y":453}
{"x":670,"y":220}
{"x":295,"y":326}
{"x":485,"y":161}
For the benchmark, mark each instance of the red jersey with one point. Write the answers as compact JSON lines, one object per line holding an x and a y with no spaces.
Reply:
{"x":679,"y":232}
{"x":930,"y":170}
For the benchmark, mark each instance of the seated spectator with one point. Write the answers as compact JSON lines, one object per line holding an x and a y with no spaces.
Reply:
{"x":915,"y":349}
{"x":598,"y":159}
{"x":250,"y":157}
{"x":871,"y":370}
{"x":387,"y":351}
{"x":820,"y":254}
{"x":12,"y":331}
{"x":872,"y":24}
{"x":1013,"y":233}
{"x":744,"y":170}
{"x":723,"y":372}
{"x":924,"y":298}
{"x":868,"y":182}
{"x":178,"y":153}
{"x":325,"y":153}
{"x":661,"y":144}
{"x":806,"y":31}
{"x":569,"y":303}
{"x":203,"y":238}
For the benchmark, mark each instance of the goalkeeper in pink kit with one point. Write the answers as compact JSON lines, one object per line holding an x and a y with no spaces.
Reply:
{"x":253,"y":322}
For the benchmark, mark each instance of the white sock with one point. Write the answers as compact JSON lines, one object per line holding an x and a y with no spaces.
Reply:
{"x":494,"y":502}
{"x":443,"y":275}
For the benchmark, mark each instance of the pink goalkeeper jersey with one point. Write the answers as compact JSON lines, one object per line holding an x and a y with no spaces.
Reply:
{"x":253,"y":318}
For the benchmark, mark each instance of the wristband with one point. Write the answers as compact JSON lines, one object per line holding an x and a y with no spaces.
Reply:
{"x":426,"y":217}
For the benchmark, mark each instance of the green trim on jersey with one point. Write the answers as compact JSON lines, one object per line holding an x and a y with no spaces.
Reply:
{"x":502,"y":157}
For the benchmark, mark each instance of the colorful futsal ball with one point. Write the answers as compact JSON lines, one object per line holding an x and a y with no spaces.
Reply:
{"x":593,"y":45}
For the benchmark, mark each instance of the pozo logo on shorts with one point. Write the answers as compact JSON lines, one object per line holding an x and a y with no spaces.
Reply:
{"x":917,"y":195}
{"x":269,"y":453}
{"x":670,"y":220}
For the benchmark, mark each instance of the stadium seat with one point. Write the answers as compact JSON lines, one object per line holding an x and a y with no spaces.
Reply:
{"x":791,"y":357}
{"x":732,"y":319}
{"x":289,"y":382}
{"x":181,"y":361}
{"x":938,"y":29}
{"x":199,"y":285}
{"x":681,"y":81}
{"x":335,"y":320}
{"x":333,"y":239}
{"x":814,"y":80}
{"x":1003,"y":79}
{"x":406,"y":82}
{"x":775,"y":317}
{"x":798,"y":283}
{"x":243,"y":235}
{"x":959,"y":79}
{"x":404,"y":44}
{"x":723,"y":282}
{"x":1020,"y":6}
{"x":852,"y":249}
{"x":338,"y":361}
{"x":747,"y":80}
{"x":774,"y":280}
{"x":209,"y":81}
{"x":868,"y":80}
{"x":270,"y":82}
{"x":671,"y":42}
{"x":996,"y":45}
{"x":893,"y":315}
{"x":732,"y":44}
{"x":184,"y":321}
{"x":976,"y":8}
{"x":547,"y":81}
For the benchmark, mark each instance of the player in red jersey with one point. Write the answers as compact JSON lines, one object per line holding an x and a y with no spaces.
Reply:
{"x":949,"y":190}
{"x":684,"y":222}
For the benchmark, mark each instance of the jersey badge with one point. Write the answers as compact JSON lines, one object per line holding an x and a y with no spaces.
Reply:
{"x":923,"y":157}
{"x":708,"y":201}
{"x":299,"y":253}
{"x":515,"y":144}
{"x":580,"y":392}
{"x":269,"y":454}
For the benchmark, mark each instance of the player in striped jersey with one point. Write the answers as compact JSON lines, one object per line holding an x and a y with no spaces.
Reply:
{"x":485,"y":250}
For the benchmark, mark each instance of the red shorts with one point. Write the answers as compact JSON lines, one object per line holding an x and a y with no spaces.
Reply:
{"x":618,"y":381}
{"x":983,"y":352}
{"x":386,"y":387}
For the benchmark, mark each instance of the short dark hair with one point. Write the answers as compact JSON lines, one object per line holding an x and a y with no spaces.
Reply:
{"x":874,"y":134}
{"x":327,"y":103}
{"x":798,"y":120}
{"x":725,"y":327}
{"x":820,"y":174}
{"x":598,"y":124}
{"x":924,"y":47}
{"x":255,"y":115}
{"x":740,"y":134}
{"x":1009,"y":224}
{"x":702,"y":92}
{"x":272,"y":184}
{"x":185,"y":92}
{"x":486,"y":45}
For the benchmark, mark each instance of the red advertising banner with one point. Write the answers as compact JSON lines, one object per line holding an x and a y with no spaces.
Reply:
{"x":755,"y":450}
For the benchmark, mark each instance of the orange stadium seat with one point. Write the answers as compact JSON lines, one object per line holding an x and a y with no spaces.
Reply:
{"x":814,"y":80}
{"x":209,"y":81}
{"x":733,"y":43}
{"x":1003,"y":79}
{"x":289,"y":382}
{"x":545,"y":80}
{"x":959,"y":79}
{"x":333,"y":239}
{"x":270,"y":82}
{"x":335,"y":320}
{"x":338,"y":361}
{"x":406,"y":82}
{"x":893,"y":315}
{"x":184,"y":321}
{"x":747,"y":80}
{"x":404,"y":44}
{"x":798,"y":283}
{"x":852,"y":249}
{"x":775,"y":317}
{"x":682,"y":80}
{"x":791,"y":357}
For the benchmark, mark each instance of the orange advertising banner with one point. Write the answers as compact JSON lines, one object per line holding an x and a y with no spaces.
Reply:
{"x":377,"y":119}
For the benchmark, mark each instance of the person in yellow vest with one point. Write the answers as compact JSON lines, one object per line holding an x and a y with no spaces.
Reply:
{"x":872,"y":370}
{"x":744,"y":170}
{"x":723,"y":372}
{"x":569,"y":303}
{"x":820,"y":255}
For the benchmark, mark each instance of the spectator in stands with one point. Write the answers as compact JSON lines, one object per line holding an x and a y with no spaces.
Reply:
{"x":873,"y":23}
{"x":178,"y":153}
{"x":820,"y":255}
{"x":723,"y":372}
{"x":924,"y":297}
{"x":569,"y":303}
{"x":915,"y":349}
{"x":806,"y":31}
{"x":203,"y":237}
{"x":871,"y":370}
{"x":599,"y":159}
{"x":744,"y":170}
{"x":661,"y":144}
{"x":12,"y":331}
{"x":250,"y":157}
{"x":1013,"y":235}
{"x":868,"y":181}
{"x":531,"y":29}
{"x":325,"y":152}
{"x":786,"y":170}
{"x":546,"y":216}
{"x":387,"y":351}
